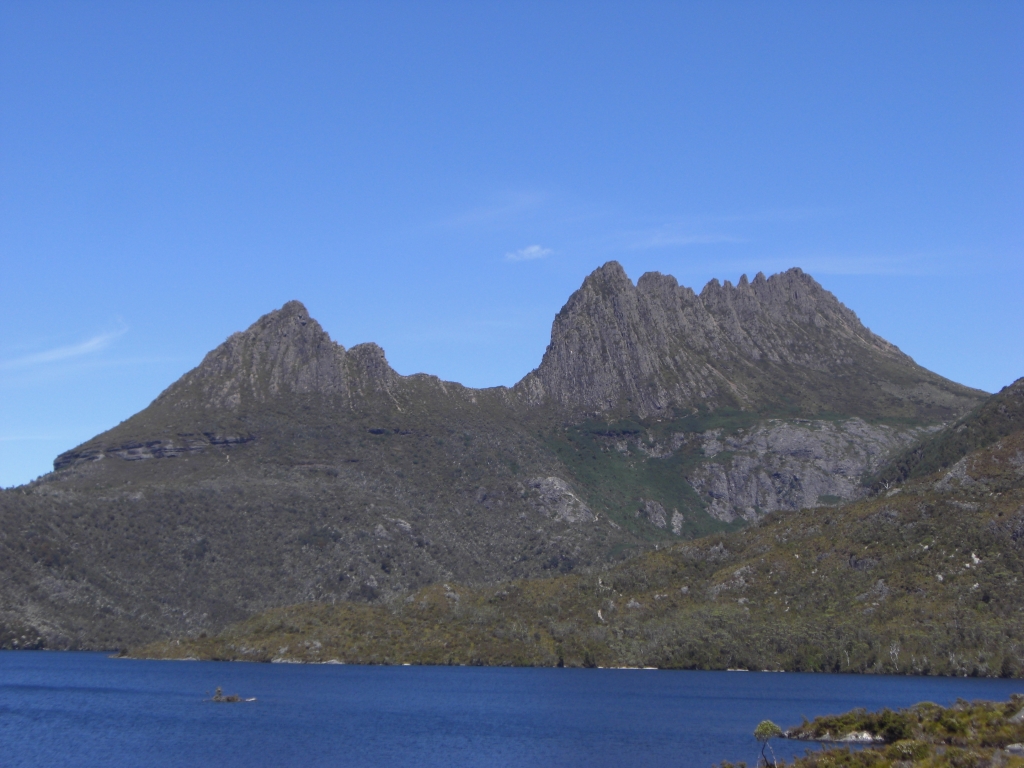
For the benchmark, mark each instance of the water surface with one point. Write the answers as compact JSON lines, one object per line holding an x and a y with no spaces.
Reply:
{"x":84,"y":709}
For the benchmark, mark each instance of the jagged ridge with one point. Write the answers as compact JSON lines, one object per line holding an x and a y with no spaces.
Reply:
{"x":774,"y":344}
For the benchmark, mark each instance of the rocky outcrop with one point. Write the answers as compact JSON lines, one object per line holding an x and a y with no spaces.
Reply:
{"x":184,"y":445}
{"x":782,"y":342}
{"x":616,"y":344}
{"x":654,"y":512}
{"x":791,"y":465}
{"x":554,"y":498}
{"x":284,"y":352}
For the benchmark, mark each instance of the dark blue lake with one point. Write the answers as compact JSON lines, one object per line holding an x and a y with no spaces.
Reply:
{"x":84,"y":709}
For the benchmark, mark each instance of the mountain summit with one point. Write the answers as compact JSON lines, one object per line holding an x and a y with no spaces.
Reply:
{"x":284,"y":352}
{"x":781,"y":344}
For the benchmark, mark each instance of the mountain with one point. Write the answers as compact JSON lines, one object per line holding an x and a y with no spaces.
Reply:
{"x":286,"y":468}
{"x":781,"y":344}
{"x":927,"y":578}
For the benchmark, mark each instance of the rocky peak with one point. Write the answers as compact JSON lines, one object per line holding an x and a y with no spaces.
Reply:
{"x":598,"y":345}
{"x":781,"y":341}
{"x":792,"y":294}
{"x":284,"y":351}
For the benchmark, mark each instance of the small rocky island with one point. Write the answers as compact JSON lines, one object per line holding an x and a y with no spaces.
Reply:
{"x":233,"y":698}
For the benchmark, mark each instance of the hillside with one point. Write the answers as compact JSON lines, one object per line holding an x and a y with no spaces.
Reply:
{"x":286,"y":468}
{"x":997,"y":417}
{"x":926,"y":579}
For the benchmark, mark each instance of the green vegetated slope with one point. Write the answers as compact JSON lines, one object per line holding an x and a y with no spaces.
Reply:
{"x":322,"y":504}
{"x":620,"y":463}
{"x":979,"y":733}
{"x":927,"y":579}
{"x":688,"y":475}
{"x":1000,"y":415}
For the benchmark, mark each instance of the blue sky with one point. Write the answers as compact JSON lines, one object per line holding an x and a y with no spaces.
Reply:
{"x":438,"y":178}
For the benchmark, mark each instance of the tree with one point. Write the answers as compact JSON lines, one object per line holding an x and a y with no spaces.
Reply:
{"x":766,"y":731}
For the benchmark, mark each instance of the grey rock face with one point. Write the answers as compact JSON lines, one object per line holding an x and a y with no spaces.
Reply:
{"x":791,"y":465}
{"x":654,"y":512}
{"x":556,"y":499}
{"x":181,"y":445}
{"x":956,"y":476}
{"x":781,"y":341}
{"x":284,"y":352}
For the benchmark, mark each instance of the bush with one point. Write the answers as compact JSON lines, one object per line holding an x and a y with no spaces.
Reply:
{"x":907,"y":749}
{"x":892,"y":726}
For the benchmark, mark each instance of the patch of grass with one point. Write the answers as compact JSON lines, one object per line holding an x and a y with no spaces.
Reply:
{"x":618,"y":478}
{"x":727,"y":419}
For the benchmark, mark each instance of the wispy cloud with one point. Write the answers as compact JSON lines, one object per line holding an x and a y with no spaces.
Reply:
{"x":882,"y":265}
{"x":709,"y":229}
{"x":510,"y":207}
{"x":58,"y":354}
{"x":771,"y":215}
{"x":528,"y":253}
{"x":669,"y":239}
